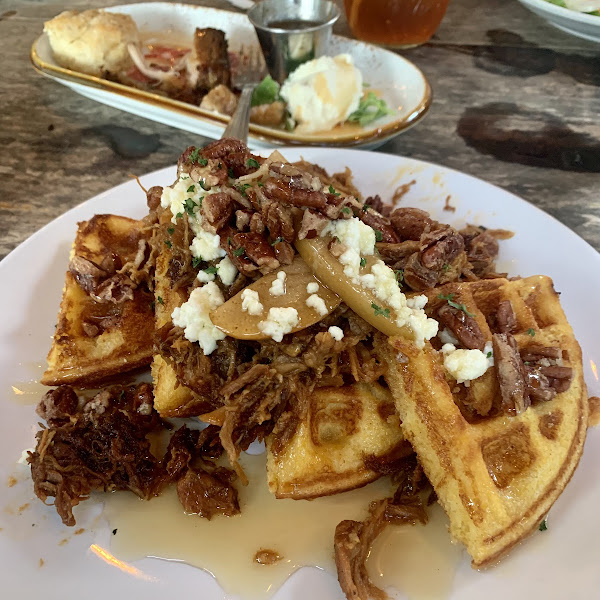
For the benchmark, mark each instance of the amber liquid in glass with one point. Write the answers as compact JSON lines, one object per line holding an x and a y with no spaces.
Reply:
{"x":395,"y":23}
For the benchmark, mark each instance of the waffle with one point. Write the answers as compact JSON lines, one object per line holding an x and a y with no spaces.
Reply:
{"x":78,"y":359}
{"x":496,"y":474}
{"x":327,"y":453}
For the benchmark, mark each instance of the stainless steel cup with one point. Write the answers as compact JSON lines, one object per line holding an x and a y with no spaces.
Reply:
{"x":292,"y":32}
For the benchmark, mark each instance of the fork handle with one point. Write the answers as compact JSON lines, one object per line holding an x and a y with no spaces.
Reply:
{"x":238,"y":125}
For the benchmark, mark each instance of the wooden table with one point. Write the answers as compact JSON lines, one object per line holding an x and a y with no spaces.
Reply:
{"x":516,"y":102}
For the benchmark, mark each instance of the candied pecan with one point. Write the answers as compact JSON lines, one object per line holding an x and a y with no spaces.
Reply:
{"x":86,"y":273}
{"x":257,"y":224}
{"x":440,"y":247}
{"x":559,"y":377}
{"x":379,"y":223}
{"x":278,"y":220}
{"x":463,"y":327}
{"x":284,"y":252}
{"x":396,"y":255}
{"x":482,"y":251}
{"x":506,"y":320}
{"x":375,"y":203}
{"x":249,"y":252}
{"x":538,"y":386}
{"x":216,"y":209}
{"x":411,"y":223}
{"x":242,"y":219}
{"x":510,"y":373}
{"x":312,"y":224}
{"x":278,"y":190}
{"x":535,"y":352}
{"x":238,"y":162}
{"x":221,"y":148}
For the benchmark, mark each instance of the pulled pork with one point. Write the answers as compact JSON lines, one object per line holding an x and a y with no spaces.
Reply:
{"x":102,"y":444}
{"x":353,"y":539}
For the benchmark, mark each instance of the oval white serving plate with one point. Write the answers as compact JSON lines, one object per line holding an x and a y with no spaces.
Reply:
{"x":398,"y":81}
{"x":580,"y":24}
{"x":559,"y":563}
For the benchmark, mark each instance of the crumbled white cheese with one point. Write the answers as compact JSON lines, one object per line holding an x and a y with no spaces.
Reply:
{"x":205,"y":277}
{"x":336,"y":333}
{"x":353,"y":233}
{"x":194,"y":317}
{"x":24,"y":456}
{"x":315,"y":301}
{"x":351,"y":261}
{"x":464,"y":365}
{"x":227,"y":271}
{"x":409,"y":312}
{"x":488,"y":350}
{"x":312,"y":287}
{"x":205,"y":245}
{"x":446,"y":337}
{"x":279,"y":322}
{"x":251,"y":302}
{"x":278,"y":286}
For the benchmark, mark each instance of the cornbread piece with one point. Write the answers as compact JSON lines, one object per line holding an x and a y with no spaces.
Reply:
{"x":106,"y":321}
{"x":92,"y":41}
{"x":348,"y":433}
{"x":500,"y":451}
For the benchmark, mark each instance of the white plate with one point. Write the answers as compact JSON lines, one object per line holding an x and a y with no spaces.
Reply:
{"x":561,"y":563}
{"x":573,"y":22}
{"x":398,"y":81}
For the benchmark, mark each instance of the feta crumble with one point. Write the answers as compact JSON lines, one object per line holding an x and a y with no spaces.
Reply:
{"x":205,"y":277}
{"x":464,"y":365}
{"x":194,"y":317}
{"x":278,"y":286}
{"x":353,"y":233}
{"x":251,"y":302}
{"x":315,"y":301}
{"x":446,"y":337}
{"x":336,"y":333}
{"x":279,"y":322}
{"x":312,"y":287}
{"x":227,"y":271}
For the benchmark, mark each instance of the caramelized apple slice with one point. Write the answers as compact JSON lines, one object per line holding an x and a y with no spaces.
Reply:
{"x":362,"y":301}
{"x":236,"y":323}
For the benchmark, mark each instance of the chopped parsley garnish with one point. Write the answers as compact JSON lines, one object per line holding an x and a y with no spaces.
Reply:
{"x":384,"y":312}
{"x":242,"y":188}
{"x":196,"y":260}
{"x":488,"y":355}
{"x":219,"y":166}
{"x":170,"y":230}
{"x":260,"y":184}
{"x":191,"y":189}
{"x":195,"y":158}
{"x":346,"y":210}
{"x":399,"y":276}
{"x":179,"y":215}
{"x":253,"y":163}
{"x":204,"y":186}
{"x":168,"y":243}
{"x":445,"y":268}
{"x":363,"y":262}
{"x":230,"y":173}
{"x":370,"y":109}
{"x":152,"y":305}
{"x":239,"y":251}
{"x":456,"y":305}
{"x":543,"y":526}
{"x":378,"y":235}
{"x":332,"y":191}
{"x":160,"y":300}
{"x":189,"y":206}
{"x":365,"y":207}
{"x":531,"y":332}
{"x":277,"y":240}
{"x":211,"y":270}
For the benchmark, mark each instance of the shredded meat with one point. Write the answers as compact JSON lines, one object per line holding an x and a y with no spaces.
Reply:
{"x":510,"y":373}
{"x":208,"y":494}
{"x":353,"y":539}
{"x":102,"y":447}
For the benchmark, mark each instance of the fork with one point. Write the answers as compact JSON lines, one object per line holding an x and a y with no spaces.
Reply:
{"x":251,"y":75}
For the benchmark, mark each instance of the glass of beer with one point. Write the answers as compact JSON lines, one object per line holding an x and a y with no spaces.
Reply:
{"x":395,"y":23}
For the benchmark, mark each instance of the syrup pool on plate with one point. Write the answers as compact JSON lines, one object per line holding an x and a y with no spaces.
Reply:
{"x":299,"y":531}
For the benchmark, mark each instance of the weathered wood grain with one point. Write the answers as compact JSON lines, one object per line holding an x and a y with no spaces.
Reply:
{"x":516,"y":103}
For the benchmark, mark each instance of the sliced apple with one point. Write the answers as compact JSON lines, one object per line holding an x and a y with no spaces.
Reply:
{"x":236,"y":323}
{"x":328,"y":269}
